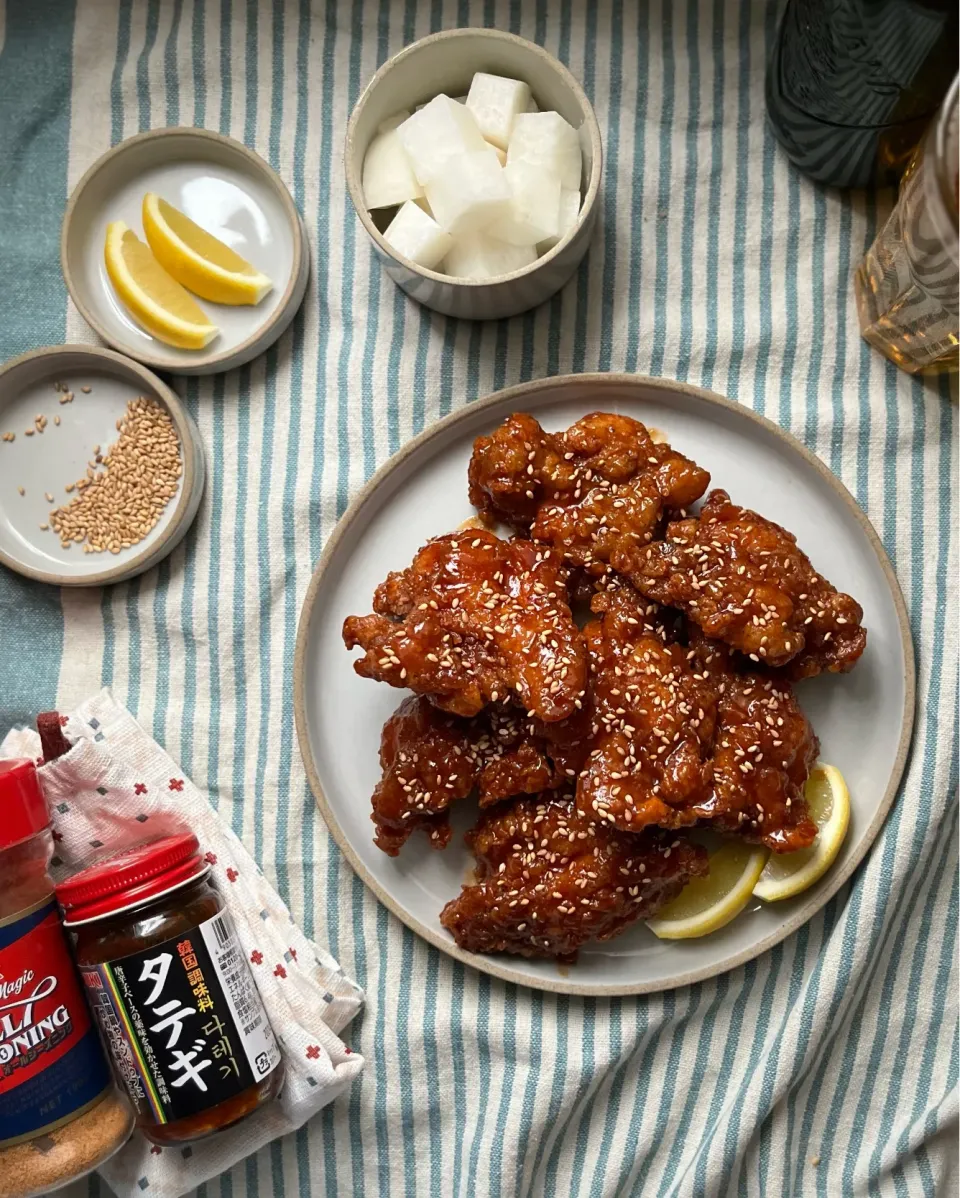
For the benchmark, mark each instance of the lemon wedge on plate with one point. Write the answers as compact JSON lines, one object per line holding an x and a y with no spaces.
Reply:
{"x":787,"y":874}
{"x":162,"y":306}
{"x":197,"y":259}
{"x":706,"y":904}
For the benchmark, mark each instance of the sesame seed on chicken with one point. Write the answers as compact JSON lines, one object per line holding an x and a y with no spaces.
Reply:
{"x":652,"y":720}
{"x":764,"y":750}
{"x":549,"y":878}
{"x":597,"y":489}
{"x":744,"y":581}
{"x":431,"y":759}
{"x":476,"y":620}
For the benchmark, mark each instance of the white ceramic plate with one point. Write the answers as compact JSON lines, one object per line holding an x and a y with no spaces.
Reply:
{"x":46,"y":462}
{"x":225,"y":188}
{"x":864,"y":719}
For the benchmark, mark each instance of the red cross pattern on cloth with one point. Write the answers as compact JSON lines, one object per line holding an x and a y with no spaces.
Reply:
{"x":280,"y":972}
{"x":140,"y":788}
{"x":313,"y":1051}
{"x":176,"y":784}
{"x":256,"y":957}
{"x":232,"y":875}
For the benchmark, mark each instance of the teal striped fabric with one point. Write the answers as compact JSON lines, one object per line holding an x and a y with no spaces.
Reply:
{"x":826,"y":1067}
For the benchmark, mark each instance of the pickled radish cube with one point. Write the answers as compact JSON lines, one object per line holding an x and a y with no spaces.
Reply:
{"x":479,"y":256}
{"x":392,"y":122}
{"x":534,"y":206}
{"x":456,"y":100}
{"x":388,"y":177}
{"x":569,"y":211}
{"x":546,"y":141}
{"x":501,"y":154}
{"x":533,"y":106}
{"x":418,"y":236}
{"x":440,"y":131}
{"x":471,"y":193}
{"x":496,"y":102}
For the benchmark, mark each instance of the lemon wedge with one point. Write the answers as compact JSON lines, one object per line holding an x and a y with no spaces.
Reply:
{"x":197,"y":259}
{"x":706,"y":904}
{"x":787,"y":874}
{"x":162,"y":306}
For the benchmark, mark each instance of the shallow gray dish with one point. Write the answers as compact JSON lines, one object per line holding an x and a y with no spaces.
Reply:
{"x":864,"y":719}
{"x":228,"y":190}
{"x":446,"y":62}
{"x":46,"y":462}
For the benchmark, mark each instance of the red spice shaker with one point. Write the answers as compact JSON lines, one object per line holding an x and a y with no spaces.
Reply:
{"x":171,"y":988}
{"x":52,"y":1069}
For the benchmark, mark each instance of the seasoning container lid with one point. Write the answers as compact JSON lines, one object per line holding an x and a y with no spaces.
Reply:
{"x":130,"y":877}
{"x":23,"y":811}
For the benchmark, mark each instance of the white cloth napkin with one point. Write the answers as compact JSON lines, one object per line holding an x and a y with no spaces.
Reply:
{"x":116,"y":787}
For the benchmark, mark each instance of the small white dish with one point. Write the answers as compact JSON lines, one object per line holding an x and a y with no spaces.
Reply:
{"x":446,"y":62}
{"x":44,"y":463}
{"x":225,"y":188}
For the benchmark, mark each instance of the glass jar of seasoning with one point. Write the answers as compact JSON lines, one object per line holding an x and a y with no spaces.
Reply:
{"x":60,"y":1115}
{"x":170,"y":985}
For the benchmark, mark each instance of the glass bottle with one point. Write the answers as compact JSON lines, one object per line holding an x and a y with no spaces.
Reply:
{"x":907,"y":284}
{"x":171,"y":988}
{"x":853,"y":84}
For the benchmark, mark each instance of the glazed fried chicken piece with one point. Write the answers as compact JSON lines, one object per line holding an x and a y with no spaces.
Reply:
{"x":430,"y":759}
{"x":476,"y":620}
{"x":597,"y":489}
{"x":515,"y":759}
{"x":764,"y":751}
{"x":549,"y":878}
{"x":744,"y":581}
{"x":652,"y":720}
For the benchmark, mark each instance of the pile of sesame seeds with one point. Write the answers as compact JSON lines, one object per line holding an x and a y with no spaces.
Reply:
{"x":125,"y":490}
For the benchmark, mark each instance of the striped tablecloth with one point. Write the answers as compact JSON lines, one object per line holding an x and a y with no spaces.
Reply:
{"x":828,"y":1066}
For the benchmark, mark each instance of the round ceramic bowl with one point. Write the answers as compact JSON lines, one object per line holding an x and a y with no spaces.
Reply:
{"x":82,"y":391}
{"x":446,"y":62}
{"x":225,"y":188}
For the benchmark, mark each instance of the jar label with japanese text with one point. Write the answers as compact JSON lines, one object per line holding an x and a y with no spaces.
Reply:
{"x":51,"y":1062}
{"x":185,"y":1023}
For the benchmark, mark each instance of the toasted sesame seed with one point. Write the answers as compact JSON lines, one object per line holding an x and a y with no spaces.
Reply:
{"x":118,"y":504}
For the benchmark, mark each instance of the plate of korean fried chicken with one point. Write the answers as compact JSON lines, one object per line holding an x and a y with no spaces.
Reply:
{"x":573,"y":637}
